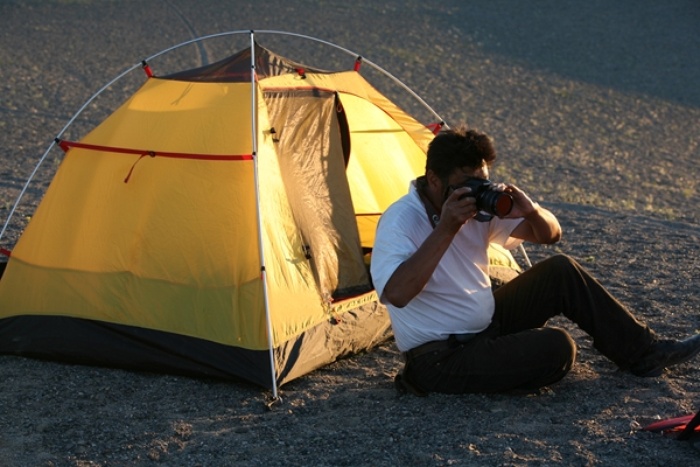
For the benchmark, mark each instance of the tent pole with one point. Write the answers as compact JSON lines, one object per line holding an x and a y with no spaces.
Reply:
{"x":263,"y":273}
{"x":528,"y":263}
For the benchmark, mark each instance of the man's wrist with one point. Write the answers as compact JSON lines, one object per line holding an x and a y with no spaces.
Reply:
{"x":535,"y":212}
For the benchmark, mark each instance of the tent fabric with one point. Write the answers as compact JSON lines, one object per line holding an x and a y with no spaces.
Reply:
{"x":192,"y":264}
{"x":92,"y":342}
{"x":237,"y":68}
{"x":313,"y":170}
{"x":117,"y":249}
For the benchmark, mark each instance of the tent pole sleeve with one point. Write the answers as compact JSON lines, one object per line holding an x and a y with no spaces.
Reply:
{"x":263,"y":273}
{"x":358,"y":63}
{"x":147,"y":69}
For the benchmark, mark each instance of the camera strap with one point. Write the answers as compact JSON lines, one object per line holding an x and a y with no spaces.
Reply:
{"x":433,"y":216}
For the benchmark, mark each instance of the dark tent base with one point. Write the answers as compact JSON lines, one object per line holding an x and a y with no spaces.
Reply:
{"x":88,"y":342}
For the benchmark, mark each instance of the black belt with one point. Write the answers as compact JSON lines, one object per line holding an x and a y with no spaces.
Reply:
{"x":438,"y":346}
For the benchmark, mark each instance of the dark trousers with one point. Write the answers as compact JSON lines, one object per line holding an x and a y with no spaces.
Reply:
{"x":517,"y":351}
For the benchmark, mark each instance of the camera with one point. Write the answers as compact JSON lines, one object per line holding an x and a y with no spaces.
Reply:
{"x":489,"y":201}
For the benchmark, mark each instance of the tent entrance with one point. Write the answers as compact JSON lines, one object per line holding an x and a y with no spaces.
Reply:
{"x":313,"y":149}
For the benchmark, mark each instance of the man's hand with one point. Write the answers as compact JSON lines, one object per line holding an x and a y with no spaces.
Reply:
{"x":523,"y":206}
{"x":455,"y":211}
{"x":540,"y":225}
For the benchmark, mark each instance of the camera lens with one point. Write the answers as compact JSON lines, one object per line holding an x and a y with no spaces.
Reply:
{"x":503,"y":204}
{"x":496,"y":203}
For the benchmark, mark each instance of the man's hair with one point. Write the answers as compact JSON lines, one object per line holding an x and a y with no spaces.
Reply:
{"x":459,"y":147}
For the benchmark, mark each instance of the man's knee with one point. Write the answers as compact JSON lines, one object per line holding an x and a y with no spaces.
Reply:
{"x":550,"y":349}
{"x":564,"y":346}
{"x":560,"y":262}
{"x":562,"y":268}
{"x":561,"y":358}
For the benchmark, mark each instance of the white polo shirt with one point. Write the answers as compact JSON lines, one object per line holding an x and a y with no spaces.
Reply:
{"x":457,"y":298}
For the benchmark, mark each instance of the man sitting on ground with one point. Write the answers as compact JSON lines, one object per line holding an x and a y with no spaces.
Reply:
{"x":430,"y":267}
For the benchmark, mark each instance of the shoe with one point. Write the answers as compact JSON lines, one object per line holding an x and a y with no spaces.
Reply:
{"x":664,"y":354}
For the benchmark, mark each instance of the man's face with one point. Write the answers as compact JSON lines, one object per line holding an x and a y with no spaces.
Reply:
{"x":462,"y":174}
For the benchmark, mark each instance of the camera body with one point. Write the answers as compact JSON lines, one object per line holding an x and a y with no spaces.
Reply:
{"x":489,"y":201}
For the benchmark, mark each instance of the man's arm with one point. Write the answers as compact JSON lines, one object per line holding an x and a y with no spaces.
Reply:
{"x":412,"y":275}
{"x":538,"y":227}
{"x":539,"y":224}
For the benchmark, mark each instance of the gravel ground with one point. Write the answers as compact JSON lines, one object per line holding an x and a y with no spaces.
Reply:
{"x":596,"y":112}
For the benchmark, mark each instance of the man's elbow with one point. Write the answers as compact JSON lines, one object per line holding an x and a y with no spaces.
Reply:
{"x":553,"y":238}
{"x":394,"y":298}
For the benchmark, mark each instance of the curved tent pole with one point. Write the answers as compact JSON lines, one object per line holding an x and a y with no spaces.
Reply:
{"x":170,"y":49}
{"x":82,"y":109}
{"x":314,"y":39}
{"x":53,"y":143}
{"x":198,"y":39}
{"x":364,"y":60}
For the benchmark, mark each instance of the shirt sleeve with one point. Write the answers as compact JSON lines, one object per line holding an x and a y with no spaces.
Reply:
{"x":395,"y":242}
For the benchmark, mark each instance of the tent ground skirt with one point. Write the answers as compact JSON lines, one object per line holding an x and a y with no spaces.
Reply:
{"x":90,"y":342}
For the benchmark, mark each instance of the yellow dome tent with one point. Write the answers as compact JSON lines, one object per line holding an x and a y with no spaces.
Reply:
{"x":216,"y":224}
